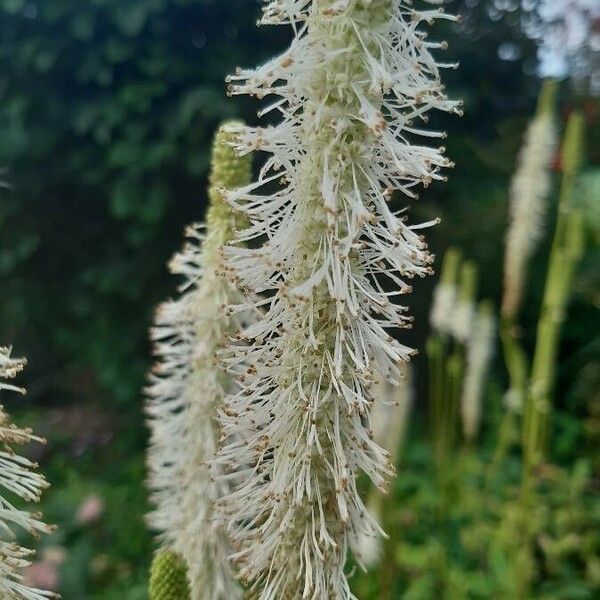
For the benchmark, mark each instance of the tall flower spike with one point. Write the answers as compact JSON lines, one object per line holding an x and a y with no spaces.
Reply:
{"x":351,"y":91}
{"x":445,"y":293}
{"x":187,"y":388}
{"x":528,"y":199}
{"x":480,"y":350}
{"x":18,"y":477}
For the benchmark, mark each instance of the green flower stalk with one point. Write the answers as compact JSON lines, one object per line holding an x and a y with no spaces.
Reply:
{"x":168,"y":577}
{"x":464,"y":308}
{"x":567,"y":250}
{"x":187,"y":389}
{"x":529,"y":192}
{"x":331,"y":258}
{"x":19,"y":478}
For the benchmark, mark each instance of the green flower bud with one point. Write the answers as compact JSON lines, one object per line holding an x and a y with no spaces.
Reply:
{"x":168,"y":577}
{"x":228,"y":171}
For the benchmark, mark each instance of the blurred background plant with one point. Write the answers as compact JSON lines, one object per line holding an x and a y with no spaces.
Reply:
{"x":107,"y":108}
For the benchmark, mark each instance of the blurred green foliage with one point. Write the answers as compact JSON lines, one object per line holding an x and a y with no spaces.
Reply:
{"x":107,"y":108}
{"x":106,"y":111}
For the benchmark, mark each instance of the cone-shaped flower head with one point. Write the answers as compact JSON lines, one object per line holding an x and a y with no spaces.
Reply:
{"x":528,"y":200}
{"x":187,"y":388}
{"x":19,"y":478}
{"x":480,"y":350}
{"x":352,"y":91}
{"x":168,"y":577}
{"x":445,"y":293}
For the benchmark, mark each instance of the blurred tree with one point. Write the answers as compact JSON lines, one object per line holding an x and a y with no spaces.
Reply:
{"x":106,"y":113}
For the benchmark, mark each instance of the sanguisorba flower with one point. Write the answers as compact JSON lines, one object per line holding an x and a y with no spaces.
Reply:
{"x":19,"y":478}
{"x":187,"y":388}
{"x":352,"y":92}
{"x":480,"y":350}
{"x":528,"y":200}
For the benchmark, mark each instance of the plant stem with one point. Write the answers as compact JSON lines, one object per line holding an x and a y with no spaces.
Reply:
{"x":436,"y":360}
{"x":566,"y":253}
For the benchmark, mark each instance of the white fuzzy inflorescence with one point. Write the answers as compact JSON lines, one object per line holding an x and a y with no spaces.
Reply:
{"x":187,"y":389}
{"x":353,"y":91}
{"x":480,"y":350}
{"x":442,"y":308}
{"x":528,"y":203}
{"x":19,"y":478}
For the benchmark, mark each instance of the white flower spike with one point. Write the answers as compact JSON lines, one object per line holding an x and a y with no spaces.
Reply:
{"x":480,"y":351}
{"x":18,"y":477}
{"x":529,"y":192}
{"x":445,"y":294}
{"x":330,"y":257}
{"x":187,"y":388}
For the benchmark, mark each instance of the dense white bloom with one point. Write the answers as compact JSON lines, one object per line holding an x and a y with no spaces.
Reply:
{"x":528,"y":202}
{"x":480,"y":350}
{"x":352,"y":91}
{"x":186,"y":390}
{"x":390,"y":417}
{"x":18,"y":477}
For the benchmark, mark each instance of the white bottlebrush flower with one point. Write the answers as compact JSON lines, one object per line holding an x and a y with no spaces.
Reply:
{"x":19,"y":478}
{"x":445,"y":294}
{"x":389,"y":419}
{"x":442,"y":308}
{"x":352,"y":92}
{"x":528,"y":203}
{"x":480,"y":350}
{"x":187,"y":388}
